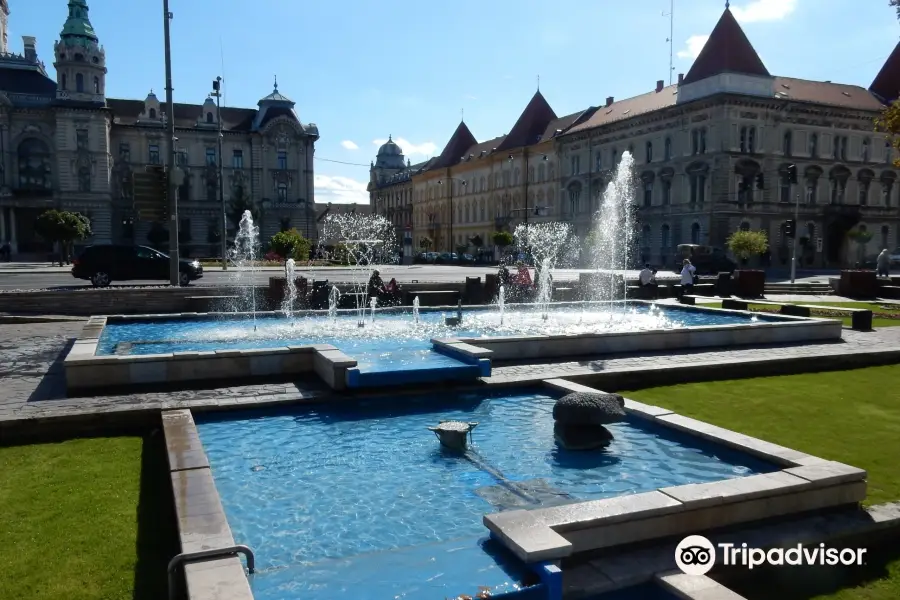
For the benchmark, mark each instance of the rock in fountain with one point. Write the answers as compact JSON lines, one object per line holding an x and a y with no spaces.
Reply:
{"x":580,"y":418}
{"x":454,"y":435}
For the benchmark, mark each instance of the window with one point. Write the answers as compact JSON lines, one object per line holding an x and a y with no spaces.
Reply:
{"x":575,"y":165}
{"x":599,"y":161}
{"x":864,"y":152}
{"x":885,"y":236}
{"x":154,"y":154}
{"x":96,"y":85}
{"x":838,"y":187}
{"x":648,"y":194}
{"x":209,"y":118}
{"x":666,"y":192}
{"x":125,"y":153}
{"x":785,"y":188}
{"x":210,"y":156}
{"x":814,"y":145}
{"x":648,"y":151}
{"x":748,"y":140}
{"x":81,"y":139}
{"x":181,"y":158}
{"x":864,"y":192}
{"x":840,"y":148}
{"x":695,"y":233}
{"x":787,"y":144}
{"x":664,"y":239}
{"x":237,"y":159}
{"x":888,"y":152}
{"x":698,"y":188}
{"x":812,"y":189}
{"x":886,"y":187}
{"x":282,"y":160}
{"x":667,"y":149}
{"x":79,"y":82}
{"x":63,"y":82}
{"x":282,"y":192}
{"x":613,"y":157}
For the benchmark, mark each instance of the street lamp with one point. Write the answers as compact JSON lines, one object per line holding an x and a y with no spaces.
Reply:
{"x":174,"y":271}
{"x":462,"y":182}
{"x":525,"y":210}
{"x":217,"y":92}
{"x":792,"y":175}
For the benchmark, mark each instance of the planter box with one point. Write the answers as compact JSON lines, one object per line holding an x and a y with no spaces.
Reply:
{"x":858,"y":284}
{"x":749,"y":283}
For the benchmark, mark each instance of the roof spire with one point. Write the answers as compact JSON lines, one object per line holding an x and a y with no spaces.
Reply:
{"x":78,"y":25}
{"x":727,"y":4}
{"x":462,"y":115}
{"x":539,"y":83}
{"x":276,"y":83}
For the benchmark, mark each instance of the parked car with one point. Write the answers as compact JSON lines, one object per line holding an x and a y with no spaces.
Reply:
{"x":103,"y":264}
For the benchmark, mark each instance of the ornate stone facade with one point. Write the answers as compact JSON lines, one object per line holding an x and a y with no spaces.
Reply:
{"x":66,"y":145}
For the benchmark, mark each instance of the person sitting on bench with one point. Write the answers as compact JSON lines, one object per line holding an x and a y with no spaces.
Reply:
{"x":647,"y":279}
{"x":376,"y":286}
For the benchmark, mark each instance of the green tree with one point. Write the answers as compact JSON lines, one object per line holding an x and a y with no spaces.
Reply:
{"x":62,"y":228}
{"x":895,"y":4}
{"x":425,"y":242}
{"x":745,"y":244}
{"x":502,"y":239}
{"x":290,"y":244}
{"x":476,"y":241}
{"x":239,"y":202}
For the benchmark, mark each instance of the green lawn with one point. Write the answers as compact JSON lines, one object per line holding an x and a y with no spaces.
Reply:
{"x":851,"y":416}
{"x":85,"y":519}
{"x":882,"y":315}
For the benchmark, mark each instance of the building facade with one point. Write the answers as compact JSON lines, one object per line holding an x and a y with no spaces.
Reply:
{"x":391,"y":193}
{"x":66,"y":145}
{"x":712,"y":155}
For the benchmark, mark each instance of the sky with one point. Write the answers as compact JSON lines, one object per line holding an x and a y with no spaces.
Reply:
{"x":365,"y":69}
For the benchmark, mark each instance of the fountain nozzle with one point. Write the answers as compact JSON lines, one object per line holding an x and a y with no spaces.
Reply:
{"x":454,"y":434}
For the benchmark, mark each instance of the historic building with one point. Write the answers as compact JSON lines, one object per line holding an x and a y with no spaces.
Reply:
{"x":472,"y":189}
{"x":391,"y":193}
{"x":65,"y":144}
{"x":712,"y":155}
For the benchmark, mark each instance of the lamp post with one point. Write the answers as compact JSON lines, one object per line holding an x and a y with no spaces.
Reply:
{"x":525,"y":209}
{"x":462,"y":182}
{"x":170,"y":183}
{"x":217,"y":92}
{"x":792,"y":171}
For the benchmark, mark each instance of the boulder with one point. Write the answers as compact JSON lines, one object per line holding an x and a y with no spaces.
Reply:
{"x":581,"y":437}
{"x":582,"y":408}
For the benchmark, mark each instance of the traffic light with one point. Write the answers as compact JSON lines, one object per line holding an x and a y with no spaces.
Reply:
{"x":792,"y":173}
{"x":760,"y":181}
{"x":789,"y":228}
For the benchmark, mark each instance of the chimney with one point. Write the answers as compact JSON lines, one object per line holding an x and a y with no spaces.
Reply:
{"x":680,"y":78}
{"x":609,"y":101}
{"x":30,"y":48}
{"x":659,"y":85}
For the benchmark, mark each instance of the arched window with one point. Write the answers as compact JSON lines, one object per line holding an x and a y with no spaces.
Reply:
{"x":209,"y":117}
{"x":63,"y":82}
{"x":79,"y":82}
{"x":152,"y":113}
{"x":34,"y":165}
{"x":96,"y":85}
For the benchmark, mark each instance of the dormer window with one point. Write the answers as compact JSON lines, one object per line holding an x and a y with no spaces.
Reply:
{"x":152,"y":113}
{"x":209,"y":118}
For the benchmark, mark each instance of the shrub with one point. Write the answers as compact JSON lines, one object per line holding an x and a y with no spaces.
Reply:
{"x":745,"y":244}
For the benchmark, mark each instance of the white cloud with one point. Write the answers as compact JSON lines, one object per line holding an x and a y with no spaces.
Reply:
{"x":340,"y":190}
{"x":764,"y":10}
{"x":470,"y":97}
{"x":409,"y":149}
{"x":349,"y":145}
{"x":693,"y":47}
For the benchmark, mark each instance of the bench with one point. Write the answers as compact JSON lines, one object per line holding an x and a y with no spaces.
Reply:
{"x":889,"y":291}
{"x":860,"y":318}
{"x":353,"y":299}
{"x":564,"y":294}
{"x":433,"y":297}
{"x":203,"y":304}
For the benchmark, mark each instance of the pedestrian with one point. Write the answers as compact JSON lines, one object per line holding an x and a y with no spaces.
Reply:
{"x":687,"y":277}
{"x":883,"y":264}
{"x":6,"y":251}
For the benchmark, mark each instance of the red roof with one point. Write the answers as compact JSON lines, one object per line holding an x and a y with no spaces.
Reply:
{"x":531,"y":124}
{"x":461,"y":140}
{"x":887,"y":83}
{"x":726,"y":51}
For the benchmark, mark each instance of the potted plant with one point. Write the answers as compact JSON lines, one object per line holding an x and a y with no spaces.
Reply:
{"x":502,"y":240}
{"x":749,"y":283}
{"x":859,"y":283}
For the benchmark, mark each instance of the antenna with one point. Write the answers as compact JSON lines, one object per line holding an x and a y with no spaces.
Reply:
{"x":224,"y":79}
{"x":671,"y":38}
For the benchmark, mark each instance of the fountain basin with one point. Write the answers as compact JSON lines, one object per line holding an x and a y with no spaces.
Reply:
{"x":393,"y":349}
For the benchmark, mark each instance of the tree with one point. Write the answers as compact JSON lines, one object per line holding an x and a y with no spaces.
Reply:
{"x":895,"y":4}
{"x":290,"y":244}
{"x":63,"y":228}
{"x":889,"y":121}
{"x":476,"y":241}
{"x":745,"y":244}
{"x":862,"y":238}
{"x":425,"y":242}
{"x":502,"y":239}
{"x":239,"y":202}
{"x":158,"y":235}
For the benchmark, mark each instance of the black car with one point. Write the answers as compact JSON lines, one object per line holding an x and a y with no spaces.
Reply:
{"x":101,"y":265}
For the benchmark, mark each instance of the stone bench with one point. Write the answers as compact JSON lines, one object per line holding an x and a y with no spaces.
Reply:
{"x":433,"y":297}
{"x":889,"y":291}
{"x":860,"y":318}
{"x":204,"y":304}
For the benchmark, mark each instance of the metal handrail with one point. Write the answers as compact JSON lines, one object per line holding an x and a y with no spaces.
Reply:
{"x":186,"y":557}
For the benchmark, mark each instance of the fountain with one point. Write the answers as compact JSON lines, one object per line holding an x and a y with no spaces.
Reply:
{"x":454,"y":435}
{"x":416,"y":310}
{"x":612,"y":236}
{"x":243,"y":257}
{"x":290,"y":273}
{"x":368,"y":241}
{"x":501,"y":302}
{"x":373,"y":302}
{"x":334,"y":299}
{"x":548,"y":244}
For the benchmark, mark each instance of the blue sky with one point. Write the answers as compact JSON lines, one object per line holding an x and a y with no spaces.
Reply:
{"x":363,"y":69}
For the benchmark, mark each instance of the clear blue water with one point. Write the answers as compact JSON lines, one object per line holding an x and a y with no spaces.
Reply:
{"x":358,"y":501}
{"x":392,"y":341}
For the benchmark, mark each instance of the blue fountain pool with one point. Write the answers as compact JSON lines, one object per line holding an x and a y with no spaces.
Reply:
{"x":393,"y":341}
{"x":357,"y":501}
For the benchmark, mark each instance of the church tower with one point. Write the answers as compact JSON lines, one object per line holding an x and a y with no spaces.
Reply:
{"x":80,"y":60}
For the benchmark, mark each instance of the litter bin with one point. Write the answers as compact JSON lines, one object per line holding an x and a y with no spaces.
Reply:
{"x":491,"y":287}
{"x":723,"y":285}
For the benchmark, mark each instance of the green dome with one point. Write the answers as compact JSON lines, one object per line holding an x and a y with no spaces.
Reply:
{"x":78,"y":25}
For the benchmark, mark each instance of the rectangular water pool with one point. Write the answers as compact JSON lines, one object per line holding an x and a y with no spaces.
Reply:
{"x":358,"y":501}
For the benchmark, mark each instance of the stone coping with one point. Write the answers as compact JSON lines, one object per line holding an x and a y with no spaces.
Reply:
{"x":202,"y":524}
{"x":804,"y":483}
{"x":693,"y":587}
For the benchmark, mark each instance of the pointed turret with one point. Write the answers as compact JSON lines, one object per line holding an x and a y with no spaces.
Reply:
{"x":531,"y":124}
{"x":80,"y":60}
{"x":78,"y":24}
{"x":886,"y":84}
{"x":461,"y":140}
{"x":726,"y":51}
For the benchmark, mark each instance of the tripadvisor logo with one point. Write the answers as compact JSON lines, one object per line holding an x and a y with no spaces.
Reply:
{"x":696,"y":555}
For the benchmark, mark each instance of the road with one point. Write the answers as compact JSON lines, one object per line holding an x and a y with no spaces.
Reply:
{"x":22,"y":276}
